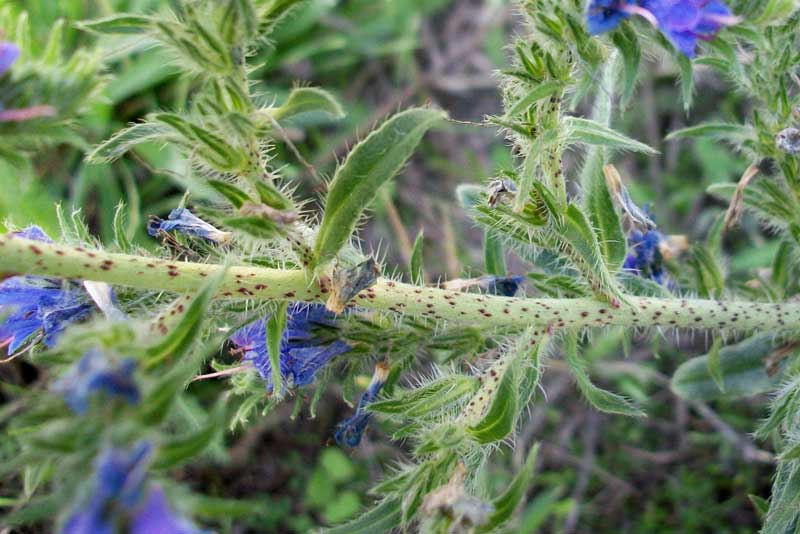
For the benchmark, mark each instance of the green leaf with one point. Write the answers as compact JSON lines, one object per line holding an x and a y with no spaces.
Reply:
{"x":233,"y":194}
{"x":735,"y":133}
{"x":382,"y":518}
{"x":214,"y":149}
{"x":760,"y":504}
{"x":742,"y":371}
{"x":589,"y":132}
{"x":117,"y":24}
{"x":494,"y":258}
{"x":184,"y":333}
{"x":628,"y":45}
{"x":687,"y":80}
{"x":415,"y":262}
{"x":603,"y":400}
{"x":708,"y":274}
{"x":428,"y":398}
{"x":540,"y":92}
{"x":275,"y":327}
{"x":500,"y":391}
{"x":505,"y":504}
{"x":369,"y":165}
{"x":307,"y":100}
{"x":124,"y":140}
{"x":714,"y":365}
{"x":584,"y":250}
{"x":179,"y":449}
{"x":606,"y":222}
{"x":257,"y":227}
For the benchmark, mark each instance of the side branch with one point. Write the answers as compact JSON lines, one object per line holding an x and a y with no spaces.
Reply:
{"x":22,"y":256}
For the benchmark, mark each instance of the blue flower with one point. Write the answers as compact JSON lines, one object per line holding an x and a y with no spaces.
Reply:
{"x":93,"y":374}
{"x":645,"y":257}
{"x":9,"y":52}
{"x":184,"y":221}
{"x":309,"y":342}
{"x":684,"y":22}
{"x":605,"y":15}
{"x":37,"y":305}
{"x":687,"y":21}
{"x":121,"y":496}
{"x":348,"y":433}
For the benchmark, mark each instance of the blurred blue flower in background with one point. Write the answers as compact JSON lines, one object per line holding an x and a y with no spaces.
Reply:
{"x":348,"y":433}
{"x":644,"y":255}
{"x":684,"y":22}
{"x":121,"y":497}
{"x":9,"y":52}
{"x":94,"y":373}
{"x":184,"y":221}
{"x":34,"y":304}
{"x":309,"y":342}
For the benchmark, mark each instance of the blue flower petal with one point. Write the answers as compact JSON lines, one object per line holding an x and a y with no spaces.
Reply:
{"x":9,"y":52}
{"x":309,"y":343}
{"x":156,"y":517}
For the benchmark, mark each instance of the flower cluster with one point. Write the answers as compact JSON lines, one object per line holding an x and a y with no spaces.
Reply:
{"x":184,"y":221}
{"x":348,"y":432}
{"x":38,"y":305}
{"x":94,"y":373}
{"x":684,"y":22}
{"x":121,"y":497}
{"x":309,"y":342}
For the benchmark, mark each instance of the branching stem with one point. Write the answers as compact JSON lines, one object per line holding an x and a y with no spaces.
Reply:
{"x":22,"y":256}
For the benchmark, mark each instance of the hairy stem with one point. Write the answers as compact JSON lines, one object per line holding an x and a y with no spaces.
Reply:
{"x":22,"y":256}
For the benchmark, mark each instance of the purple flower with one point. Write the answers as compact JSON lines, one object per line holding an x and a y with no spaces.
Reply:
{"x":644,"y":257}
{"x":9,"y":52}
{"x":94,"y":373}
{"x":38,"y":305}
{"x":605,"y":15}
{"x":184,"y":221}
{"x":121,"y":496}
{"x":684,"y":22}
{"x":348,"y":433}
{"x":310,"y":340}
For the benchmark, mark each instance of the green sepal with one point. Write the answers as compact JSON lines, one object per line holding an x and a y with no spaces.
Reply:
{"x":275,"y":327}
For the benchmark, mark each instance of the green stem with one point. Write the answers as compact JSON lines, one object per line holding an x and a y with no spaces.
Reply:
{"x":22,"y":256}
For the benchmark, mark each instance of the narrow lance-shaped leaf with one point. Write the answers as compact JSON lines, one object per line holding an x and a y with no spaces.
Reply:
{"x":126,"y":139}
{"x":735,"y":133}
{"x":181,"y":448}
{"x":603,"y":400}
{"x":382,"y":518}
{"x":714,"y":364}
{"x":275,"y":327}
{"x":628,"y":45}
{"x":118,"y":24}
{"x":306,"y":100}
{"x":368,"y":166}
{"x":184,"y":333}
{"x":589,"y":132}
{"x":505,"y":504}
{"x":494,"y":259}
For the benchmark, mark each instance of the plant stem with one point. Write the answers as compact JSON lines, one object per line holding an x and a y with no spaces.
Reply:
{"x":22,"y":256}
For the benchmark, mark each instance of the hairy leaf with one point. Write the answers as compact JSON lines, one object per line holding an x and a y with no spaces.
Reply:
{"x":369,"y":165}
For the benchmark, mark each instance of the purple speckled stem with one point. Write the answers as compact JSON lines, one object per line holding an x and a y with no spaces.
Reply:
{"x":22,"y":256}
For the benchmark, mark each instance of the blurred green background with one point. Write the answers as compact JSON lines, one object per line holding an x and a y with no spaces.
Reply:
{"x":687,"y":468}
